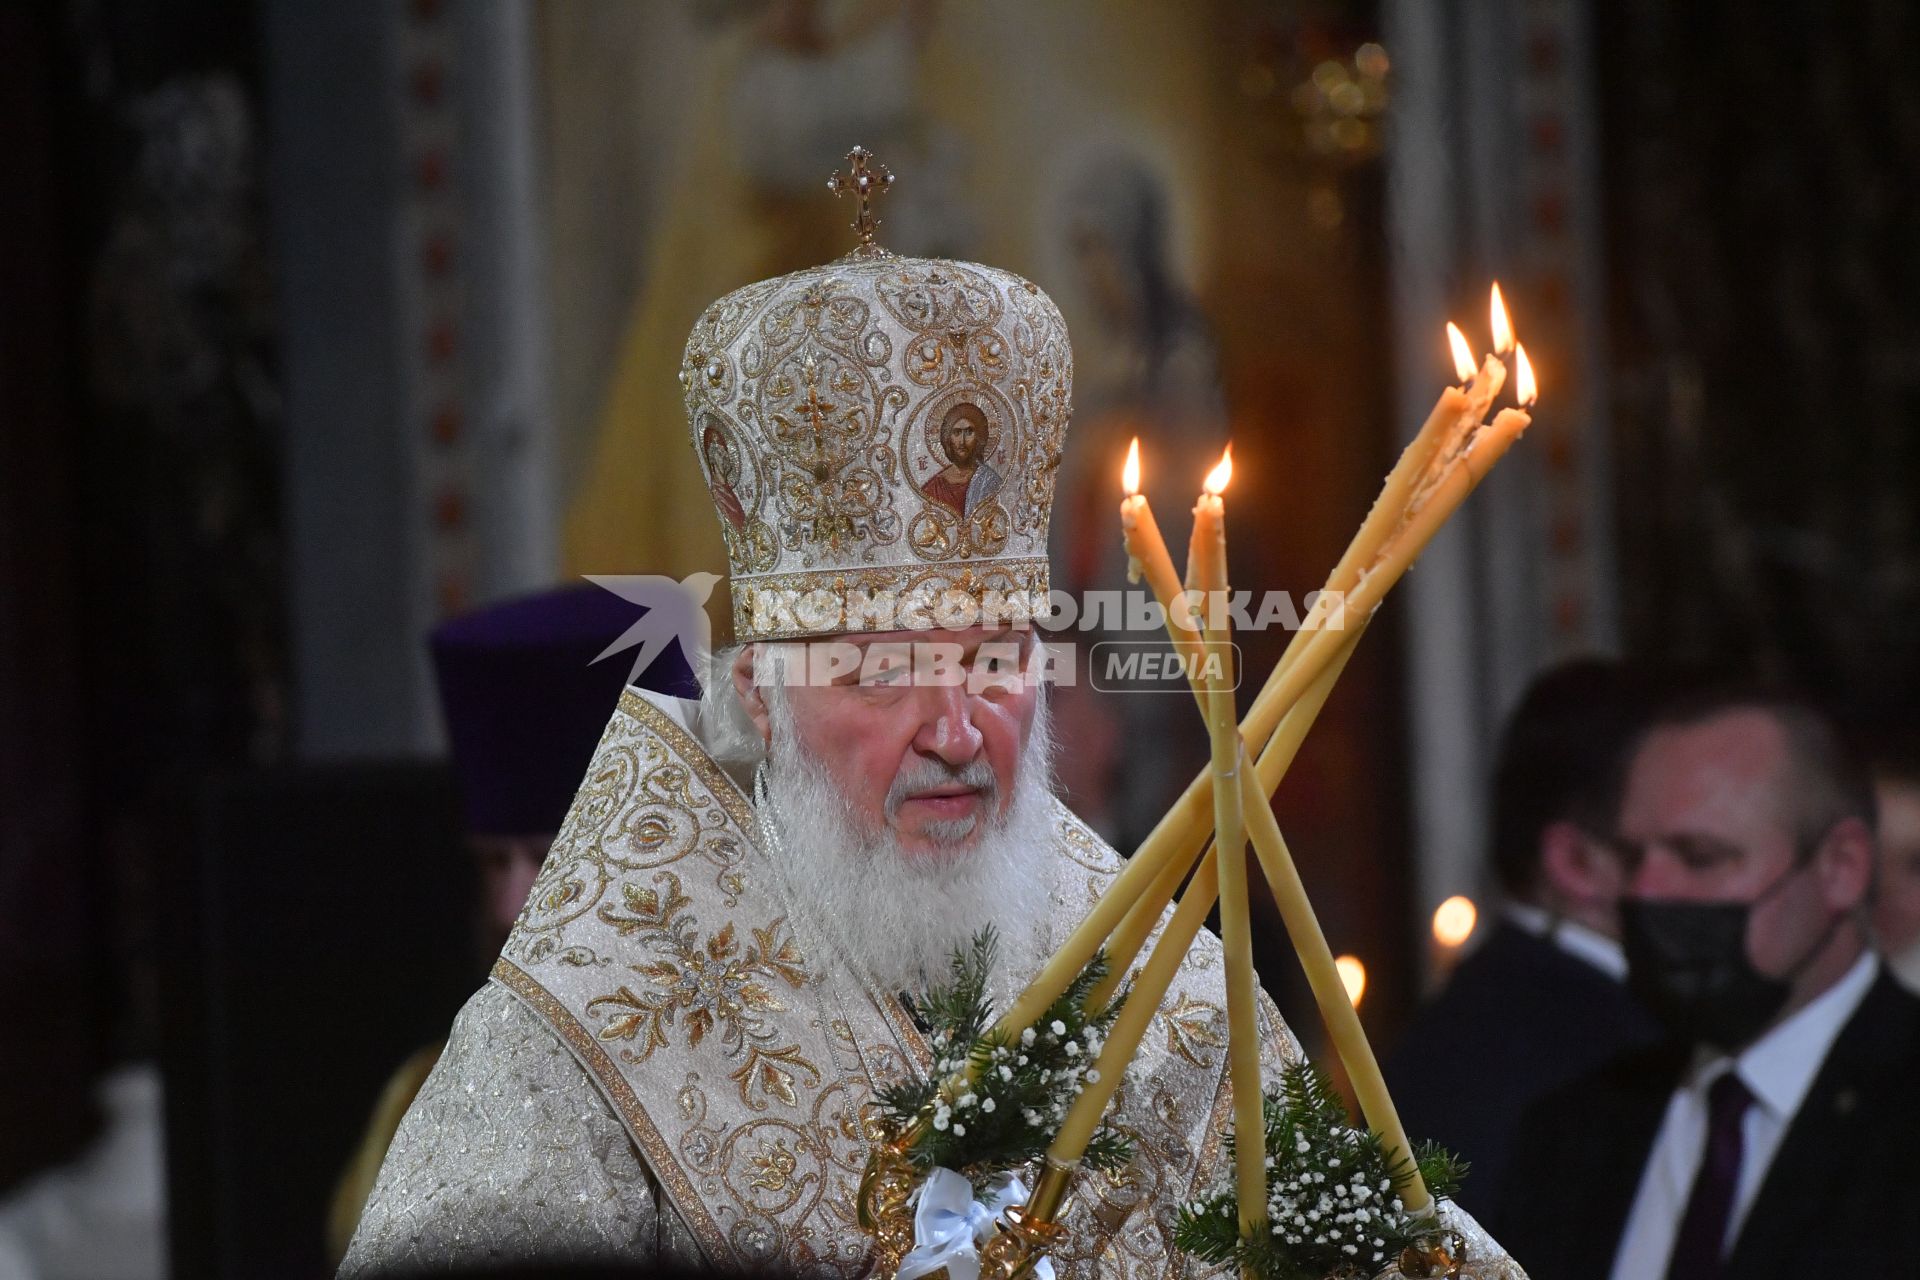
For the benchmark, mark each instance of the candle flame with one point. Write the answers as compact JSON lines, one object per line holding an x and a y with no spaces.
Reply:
{"x":1502,"y":326}
{"x":1130,"y":474}
{"x":1353,"y":976}
{"x":1454,"y":919}
{"x":1218,"y":478}
{"x":1463,"y":361}
{"x":1525,"y":389}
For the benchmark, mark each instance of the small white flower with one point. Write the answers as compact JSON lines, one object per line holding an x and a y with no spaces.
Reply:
{"x":959,"y":1130}
{"x":1006,"y":1073}
{"x":1058,"y":1028}
{"x":1073,"y":1050}
{"x":1026,"y":1040}
{"x":1093,"y":1076}
{"x":988,"y":1105}
{"x":940,"y":1120}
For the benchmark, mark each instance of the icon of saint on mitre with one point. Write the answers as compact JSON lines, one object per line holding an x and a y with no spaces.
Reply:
{"x":968,"y":480}
{"x":723,"y":472}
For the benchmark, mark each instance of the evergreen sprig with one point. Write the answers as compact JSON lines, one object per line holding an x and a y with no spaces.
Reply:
{"x":1333,"y":1203}
{"x":1021,"y":1085}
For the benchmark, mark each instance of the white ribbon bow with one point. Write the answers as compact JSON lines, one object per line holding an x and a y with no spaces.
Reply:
{"x":950,"y":1225}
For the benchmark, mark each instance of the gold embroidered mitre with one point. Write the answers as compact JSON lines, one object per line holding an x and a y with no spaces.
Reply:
{"x":880,"y":437}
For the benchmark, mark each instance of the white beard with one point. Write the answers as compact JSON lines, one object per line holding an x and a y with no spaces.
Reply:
{"x":896,"y":919}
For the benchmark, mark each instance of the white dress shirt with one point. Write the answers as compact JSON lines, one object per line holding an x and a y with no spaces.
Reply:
{"x":1572,"y":937}
{"x":1779,"y":1069}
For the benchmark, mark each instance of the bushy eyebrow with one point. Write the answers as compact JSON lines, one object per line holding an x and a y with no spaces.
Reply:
{"x":1019,"y":638}
{"x":1022,"y":636}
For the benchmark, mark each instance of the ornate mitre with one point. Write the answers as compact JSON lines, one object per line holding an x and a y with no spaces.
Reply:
{"x":880,"y":437}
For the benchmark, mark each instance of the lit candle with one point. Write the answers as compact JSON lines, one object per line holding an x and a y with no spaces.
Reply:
{"x":1207,"y":572}
{"x":1149,"y":554}
{"x":1453,"y":924}
{"x":1440,"y":437}
{"x":1501,"y":326}
{"x":1353,"y":973}
{"x":1430,"y":481}
{"x":1179,"y":836}
{"x":1207,"y":552}
{"x":1147,"y":558}
{"x":1483,"y":387}
{"x":1146,"y":551}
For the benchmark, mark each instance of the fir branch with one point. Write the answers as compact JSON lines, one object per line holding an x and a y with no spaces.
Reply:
{"x":1332,"y":1207}
{"x":994,"y":1102}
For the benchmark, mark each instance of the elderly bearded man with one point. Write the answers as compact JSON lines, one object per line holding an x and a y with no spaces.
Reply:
{"x":706,"y":986}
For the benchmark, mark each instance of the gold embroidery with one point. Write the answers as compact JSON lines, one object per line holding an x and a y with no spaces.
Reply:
{"x":662,"y":726}
{"x":1193,"y":1026}
{"x":771,"y":1071}
{"x":641,"y":806}
{"x":653,"y":1146}
{"x":714,"y":984}
{"x":773,"y":1166}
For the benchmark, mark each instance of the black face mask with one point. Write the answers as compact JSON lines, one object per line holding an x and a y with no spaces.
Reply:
{"x":1687,"y":962}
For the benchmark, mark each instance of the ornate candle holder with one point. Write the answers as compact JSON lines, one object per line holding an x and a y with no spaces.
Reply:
{"x":1441,"y":1254}
{"x":1029,"y":1231}
{"x":1021,"y":1241}
{"x":1023,"y":1235}
{"x":886,"y":1185}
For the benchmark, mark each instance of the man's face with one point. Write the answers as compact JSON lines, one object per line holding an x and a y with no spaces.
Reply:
{"x":1896,"y":913}
{"x":920,"y":731}
{"x":508,"y":866}
{"x":1706,"y":818}
{"x":961,"y":435}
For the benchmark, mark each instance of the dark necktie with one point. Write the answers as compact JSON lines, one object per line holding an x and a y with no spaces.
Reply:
{"x":1696,"y":1250}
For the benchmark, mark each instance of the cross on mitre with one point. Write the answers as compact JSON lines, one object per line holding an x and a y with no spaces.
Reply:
{"x":866,"y":179}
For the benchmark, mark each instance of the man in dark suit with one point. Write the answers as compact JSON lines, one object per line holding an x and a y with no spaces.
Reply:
{"x":1540,"y":1000}
{"x":1775,"y":1134}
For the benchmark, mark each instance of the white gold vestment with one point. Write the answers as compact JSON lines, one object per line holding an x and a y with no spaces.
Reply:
{"x":658,"y":1068}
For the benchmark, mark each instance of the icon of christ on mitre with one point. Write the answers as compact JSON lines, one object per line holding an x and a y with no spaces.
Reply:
{"x":716,"y":972}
